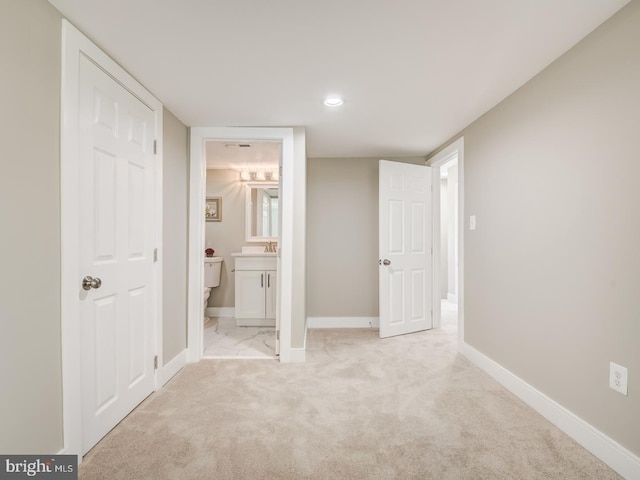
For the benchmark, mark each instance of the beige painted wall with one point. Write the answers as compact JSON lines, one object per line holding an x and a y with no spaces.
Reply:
{"x":174,"y":238}
{"x":552,"y":272}
{"x":342,"y":236}
{"x":31,"y":398}
{"x":228,"y":236}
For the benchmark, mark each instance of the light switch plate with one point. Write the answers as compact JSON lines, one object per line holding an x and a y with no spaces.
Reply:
{"x":472,"y":222}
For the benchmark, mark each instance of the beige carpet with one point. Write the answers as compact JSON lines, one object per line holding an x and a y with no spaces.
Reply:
{"x":408,"y":407}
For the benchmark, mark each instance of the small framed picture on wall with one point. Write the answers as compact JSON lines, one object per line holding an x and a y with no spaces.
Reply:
{"x":213,"y":209}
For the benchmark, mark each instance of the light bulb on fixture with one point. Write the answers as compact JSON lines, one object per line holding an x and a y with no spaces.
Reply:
{"x":259,"y":175}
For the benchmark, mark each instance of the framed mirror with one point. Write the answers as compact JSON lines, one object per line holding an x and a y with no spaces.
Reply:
{"x":262,"y":212}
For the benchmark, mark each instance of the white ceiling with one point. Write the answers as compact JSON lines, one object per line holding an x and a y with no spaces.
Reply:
{"x":412,"y":73}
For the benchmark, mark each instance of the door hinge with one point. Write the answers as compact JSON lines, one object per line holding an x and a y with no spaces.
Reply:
{"x":155,"y":255}
{"x":155,"y":362}
{"x":277,"y":334}
{"x":155,"y":147}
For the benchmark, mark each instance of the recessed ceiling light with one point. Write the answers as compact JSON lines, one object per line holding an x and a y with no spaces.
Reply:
{"x":333,"y":101}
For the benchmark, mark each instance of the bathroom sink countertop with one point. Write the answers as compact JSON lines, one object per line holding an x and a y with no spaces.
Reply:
{"x":254,"y":254}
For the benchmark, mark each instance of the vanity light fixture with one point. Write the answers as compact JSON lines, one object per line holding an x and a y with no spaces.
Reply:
{"x":333,"y":101}
{"x":259,"y":176}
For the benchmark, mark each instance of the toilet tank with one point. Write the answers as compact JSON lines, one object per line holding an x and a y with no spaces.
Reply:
{"x":212,"y":269}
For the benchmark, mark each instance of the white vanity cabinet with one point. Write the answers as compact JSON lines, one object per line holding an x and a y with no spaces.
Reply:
{"x":256,"y":289}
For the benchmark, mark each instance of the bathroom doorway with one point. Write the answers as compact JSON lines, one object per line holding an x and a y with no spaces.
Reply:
{"x":449,"y":244}
{"x":291,"y":256}
{"x":242,"y":185}
{"x":448,"y":251}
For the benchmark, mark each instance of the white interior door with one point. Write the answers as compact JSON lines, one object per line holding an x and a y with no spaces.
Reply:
{"x":116,"y":208}
{"x":405,"y":236}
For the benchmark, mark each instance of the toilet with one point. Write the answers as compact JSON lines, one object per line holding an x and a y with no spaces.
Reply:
{"x":212,"y":269}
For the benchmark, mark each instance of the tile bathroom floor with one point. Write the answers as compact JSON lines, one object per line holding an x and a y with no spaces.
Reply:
{"x":222,"y":338}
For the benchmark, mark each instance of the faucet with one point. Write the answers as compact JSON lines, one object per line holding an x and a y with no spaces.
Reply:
{"x":268,"y":248}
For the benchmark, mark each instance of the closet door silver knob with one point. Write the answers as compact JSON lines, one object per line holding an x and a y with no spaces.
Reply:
{"x":89,"y":282}
{"x":386,"y":262}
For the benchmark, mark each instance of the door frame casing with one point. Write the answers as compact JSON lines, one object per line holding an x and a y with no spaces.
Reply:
{"x":440,"y":158}
{"x":197,"y":195}
{"x":75,"y":45}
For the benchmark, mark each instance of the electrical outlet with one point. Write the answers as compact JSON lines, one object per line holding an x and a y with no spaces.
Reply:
{"x":618,"y":378}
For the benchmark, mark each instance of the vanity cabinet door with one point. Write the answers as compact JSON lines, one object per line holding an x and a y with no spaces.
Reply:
{"x":250,"y":296}
{"x":271,"y":293}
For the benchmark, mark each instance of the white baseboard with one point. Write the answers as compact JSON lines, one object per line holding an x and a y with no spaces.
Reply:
{"x":343,"y":322}
{"x":167,"y":372}
{"x":220,"y":312}
{"x":298,"y":355}
{"x":606,"y":449}
{"x":65,"y":452}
